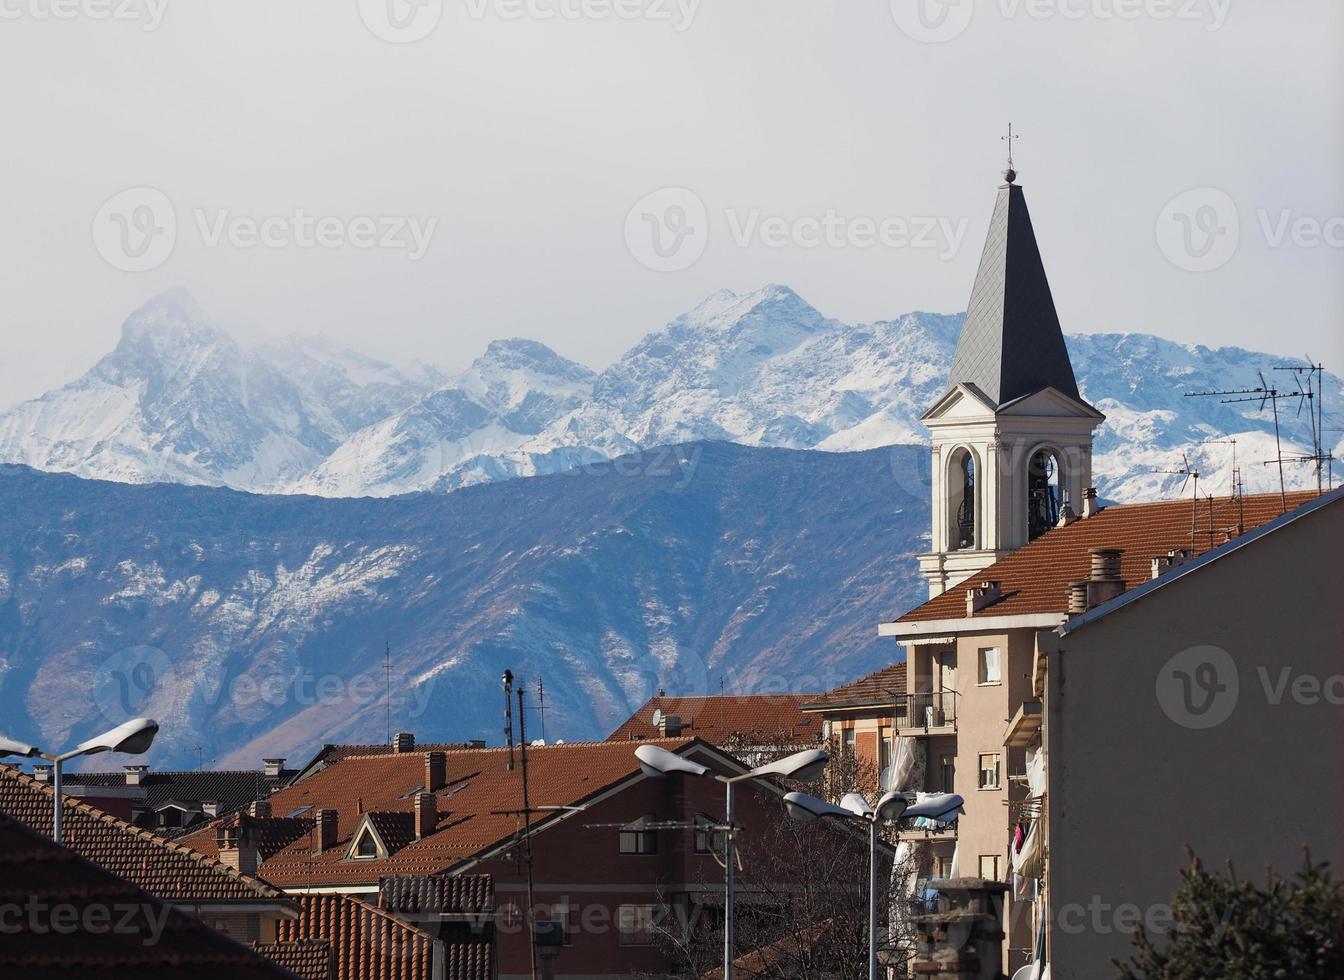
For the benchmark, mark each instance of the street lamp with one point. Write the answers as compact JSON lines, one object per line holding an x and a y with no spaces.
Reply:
{"x":892,"y":806}
{"x":132,"y":737}
{"x":658,"y":762}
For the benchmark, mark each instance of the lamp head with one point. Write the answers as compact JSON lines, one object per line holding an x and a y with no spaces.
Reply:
{"x":9,"y":746}
{"x":892,"y":806}
{"x":658,"y":762}
{"x":804,"y":807}
{"x":132,"y":737}
{"x":805,"y":766}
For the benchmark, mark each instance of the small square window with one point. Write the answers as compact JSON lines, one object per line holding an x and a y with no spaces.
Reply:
{"x":991,"y":670}
{"x":636,"y":840}
{"x":989,"y":770}
{"x":634,"y":924}
{"x":989,"y":867}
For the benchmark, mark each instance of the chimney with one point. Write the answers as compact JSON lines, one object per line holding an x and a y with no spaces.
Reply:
{"x":42,"y":774}
{"x":1174,"y":558}
{"x":981,"y":596}
{"x":1090,"y":502}
{"x":436,"y":771}
{"x":670,"y":726}
{"x":210,"y":808}
{"x":272,"y":767}
{"x":1066,"y":515}
{"x":404,"y":742}
{"x":476,"y":743}
{"x":1105,"y":582}
{"x":327,"y":825}
{"x":1077,"y":594}
{"x":238,"y":846}
{"x":426,"y":814}
{"x":135,"y":775}
{"x":260,"y":809}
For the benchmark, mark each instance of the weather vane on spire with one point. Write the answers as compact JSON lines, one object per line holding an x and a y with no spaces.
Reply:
{"x":1010,"y":174}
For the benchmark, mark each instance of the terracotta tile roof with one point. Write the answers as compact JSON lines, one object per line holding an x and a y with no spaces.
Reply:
{"x":874,"y":690}
{"x":142,"y":937}
{"x":271,"y":834}
{"x":230,"y":790}
{"x":369,"y":944}
{"x":309,"y":959}
{"x":479,"y":786}
{"x":1035,"y":578}
{"x":166,"y":869}
{"x":725,"y":717}
{"x":450,"y":895}
{"x":397,"y":828}
{"x":330,"y":754}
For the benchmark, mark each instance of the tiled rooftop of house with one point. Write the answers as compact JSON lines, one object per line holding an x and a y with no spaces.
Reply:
{"x":166,"y":869}
{"x":310,"y":959}
{"x":34,"y":869}
{"x":452,"y":895}
{"x":477,"y":786}
{"x":1035,"y":578}
{"x":877,"y":689}
{"x":369,"y":944}
{"x":724,"y":718}
{"x":229,"y":790}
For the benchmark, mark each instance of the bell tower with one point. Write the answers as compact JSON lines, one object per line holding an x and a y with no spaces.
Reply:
{"x":1012,"y":437}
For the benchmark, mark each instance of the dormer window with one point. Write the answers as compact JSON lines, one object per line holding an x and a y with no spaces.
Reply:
{"x":366,"y":848}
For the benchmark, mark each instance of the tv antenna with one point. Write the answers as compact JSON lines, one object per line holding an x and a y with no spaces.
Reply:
{"x":1264,"y":393}
{"x":508,"y":714}
{"x":1189,"y":474}
{"x":1236,"y":490}
{"x":387,"y":670}
{"x":1310,"y":379}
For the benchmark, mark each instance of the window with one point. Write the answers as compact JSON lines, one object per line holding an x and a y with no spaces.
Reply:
{"x":634,"y":924}
{"x":849,"y":740}
{"x":942,"y":866}
{"x":636,"y":840}
{"x":561,"y":912}
{"x":989,"y":866}
{"x":707,"y":840}
{"x":990,"y":668}
{"x":883,"y":754}
{"x":948,"y":769}
{"x":989,"y":770}
{"x":367,"y":846}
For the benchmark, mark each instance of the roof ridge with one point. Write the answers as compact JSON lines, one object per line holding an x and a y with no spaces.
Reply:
{"x":257,"y":883}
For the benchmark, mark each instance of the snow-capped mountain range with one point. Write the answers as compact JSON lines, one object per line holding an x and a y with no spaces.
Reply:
{"x":180,"y":401}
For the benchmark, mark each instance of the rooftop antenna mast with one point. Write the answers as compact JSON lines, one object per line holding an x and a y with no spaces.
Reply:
{"x":508,"y":715}
{"x":527,"y":830}
{"x":1189,"y":474}
{"x":387,"y":672}
{"x":1264,"y":393}
{"x":541,"y":706}
{"x":1311,"y":390}
{"x":1235,"y":488}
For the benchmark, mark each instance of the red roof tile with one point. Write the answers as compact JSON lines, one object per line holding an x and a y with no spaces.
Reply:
{"x":119,"y":930}
{"x":1035,"y":578}
{"x":448,"y":894}
{"x":721,"y":718}
{"x":469,"y":821}
{"x":169,"y":870}
{"x":877,"y":689}
{"x":369,"y":944}
{"x":309,"y":959}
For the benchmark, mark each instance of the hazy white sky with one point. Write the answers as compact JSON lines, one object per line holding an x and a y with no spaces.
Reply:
{"x":528,"y":130}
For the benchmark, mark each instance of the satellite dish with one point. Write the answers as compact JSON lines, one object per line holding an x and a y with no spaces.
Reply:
{"x":1027,"y":972}
{"x":657,"y":717}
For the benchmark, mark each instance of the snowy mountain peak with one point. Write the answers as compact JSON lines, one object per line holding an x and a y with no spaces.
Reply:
{"x":520,"y":354}
{"x":167,"y":321}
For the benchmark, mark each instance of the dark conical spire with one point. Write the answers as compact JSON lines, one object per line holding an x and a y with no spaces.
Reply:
{"x":1011,"y":343}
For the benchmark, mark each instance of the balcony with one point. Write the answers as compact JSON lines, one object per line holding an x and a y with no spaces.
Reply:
{"x":931,"y":713}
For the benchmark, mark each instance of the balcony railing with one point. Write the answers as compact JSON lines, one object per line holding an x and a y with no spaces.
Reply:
{"x":925,"y":712}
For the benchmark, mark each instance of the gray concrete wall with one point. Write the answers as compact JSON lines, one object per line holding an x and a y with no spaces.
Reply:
{"x":1144,"y":757}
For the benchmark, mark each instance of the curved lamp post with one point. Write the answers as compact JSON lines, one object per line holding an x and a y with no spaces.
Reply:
{"x":892,"y":806}
{"x":132,"y":737}
{"x":658,"y":762}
